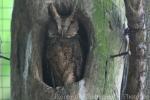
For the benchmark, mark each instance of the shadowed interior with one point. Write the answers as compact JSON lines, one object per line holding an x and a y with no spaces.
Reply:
{"x":85,"y":42}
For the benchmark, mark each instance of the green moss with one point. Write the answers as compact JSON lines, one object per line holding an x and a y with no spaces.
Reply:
{"x":107,"y":40}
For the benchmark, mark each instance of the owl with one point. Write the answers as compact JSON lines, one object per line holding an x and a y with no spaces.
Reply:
{"x":64,"y":51}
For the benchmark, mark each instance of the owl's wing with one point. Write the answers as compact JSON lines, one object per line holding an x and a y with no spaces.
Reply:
{"x":78,"y":60}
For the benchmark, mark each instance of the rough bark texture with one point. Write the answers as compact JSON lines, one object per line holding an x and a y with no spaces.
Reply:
{"x":137,"y":61}
{"x":29,"y":22}
{"x":147,"y":22}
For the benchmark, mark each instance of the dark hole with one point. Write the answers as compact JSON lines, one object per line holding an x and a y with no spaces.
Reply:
{"x":84,"y":40}
{"x":64,"y":11}
{"x":46,"y":70}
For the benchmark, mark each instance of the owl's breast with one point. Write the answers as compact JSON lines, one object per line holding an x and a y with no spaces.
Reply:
{"x":64,"y":56}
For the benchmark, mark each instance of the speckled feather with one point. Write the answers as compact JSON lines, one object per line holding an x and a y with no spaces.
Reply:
{"x":64,"y":57}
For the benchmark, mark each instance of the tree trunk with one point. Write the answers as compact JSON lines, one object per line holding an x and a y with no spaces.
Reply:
{"x":147,"y":22}
{"x":137,"y":61}
{"x":102,"y":24}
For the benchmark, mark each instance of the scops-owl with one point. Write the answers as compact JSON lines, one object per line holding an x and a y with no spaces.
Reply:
{"x":64,"y":53}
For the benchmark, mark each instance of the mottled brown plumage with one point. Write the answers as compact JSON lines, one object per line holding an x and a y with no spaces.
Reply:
{"x":64,"y":56}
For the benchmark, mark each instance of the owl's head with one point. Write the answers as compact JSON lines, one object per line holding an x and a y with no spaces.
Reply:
{"x":67,"y":24}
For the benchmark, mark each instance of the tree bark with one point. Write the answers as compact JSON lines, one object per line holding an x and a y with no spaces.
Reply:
{"x":30,"y":21}
{"x":147,"y":22}
{"x":137,"y":61}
